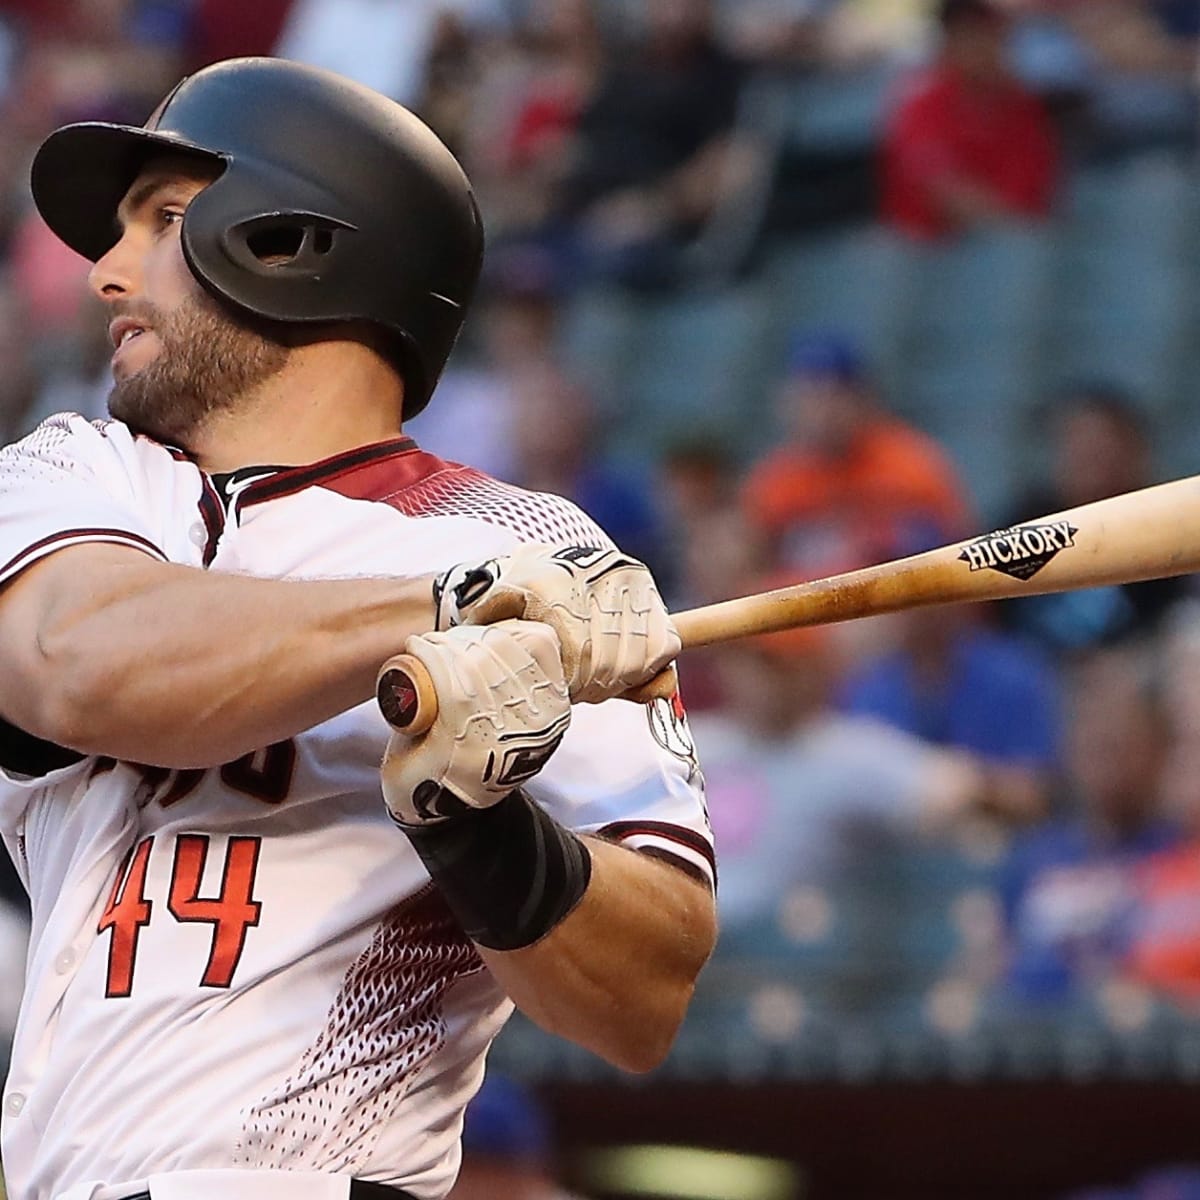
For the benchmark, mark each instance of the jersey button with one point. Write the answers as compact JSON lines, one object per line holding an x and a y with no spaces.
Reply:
{"x":14,"y":1104}
{"x":198,"y":534}
{"x":64,"y":962}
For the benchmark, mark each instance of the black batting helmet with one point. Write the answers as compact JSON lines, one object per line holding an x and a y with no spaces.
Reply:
{"x":333,"y":203}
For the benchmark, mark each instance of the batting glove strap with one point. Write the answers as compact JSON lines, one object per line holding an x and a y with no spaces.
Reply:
{"x":509,"y":873}
{"x":611,"y":622}
{"x":457,"y":590}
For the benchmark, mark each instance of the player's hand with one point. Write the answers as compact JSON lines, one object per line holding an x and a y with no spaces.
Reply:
{"x":502,"y":711}
{"x":611,"y":622}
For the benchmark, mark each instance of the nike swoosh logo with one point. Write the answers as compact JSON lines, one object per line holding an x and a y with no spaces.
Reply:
{"x":236,"y":489}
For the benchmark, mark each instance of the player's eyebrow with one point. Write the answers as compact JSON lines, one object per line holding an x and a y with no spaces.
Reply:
{"x":143,"y":192}
{"x":137,"y":198}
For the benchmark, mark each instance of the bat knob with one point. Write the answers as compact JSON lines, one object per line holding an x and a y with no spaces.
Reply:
{"x":405,"y":695}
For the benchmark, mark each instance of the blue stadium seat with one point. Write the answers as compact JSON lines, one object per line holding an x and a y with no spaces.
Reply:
{"x":1126,"y":285}
{"x":972,"y":349}
{"x":667,"y":366}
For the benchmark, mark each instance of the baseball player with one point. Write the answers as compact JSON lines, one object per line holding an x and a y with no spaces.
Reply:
{"x":252,"y":975}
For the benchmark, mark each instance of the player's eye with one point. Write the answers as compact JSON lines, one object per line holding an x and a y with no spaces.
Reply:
{"x":169,"y":214}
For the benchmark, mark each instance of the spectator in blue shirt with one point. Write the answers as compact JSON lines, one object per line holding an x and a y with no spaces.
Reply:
{"x":953,"y":681}
{"x":1070,"y":888}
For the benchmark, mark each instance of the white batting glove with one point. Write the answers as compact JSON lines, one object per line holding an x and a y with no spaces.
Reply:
{"x":502,"y":711}
{"x":611,"y":622}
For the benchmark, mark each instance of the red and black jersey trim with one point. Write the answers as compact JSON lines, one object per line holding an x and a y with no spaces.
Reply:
{"x":619,"y":831}
{"x":296,"y":479}
{"x":212,"y":512}
{"x":98,"y":534}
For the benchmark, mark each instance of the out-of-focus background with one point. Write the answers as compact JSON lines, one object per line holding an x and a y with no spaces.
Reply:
{"x":778,"y":288}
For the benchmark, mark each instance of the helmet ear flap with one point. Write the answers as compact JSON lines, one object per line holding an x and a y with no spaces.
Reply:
{"x":286,"y":243}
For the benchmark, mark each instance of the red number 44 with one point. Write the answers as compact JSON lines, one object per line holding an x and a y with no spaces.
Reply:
{"x":231,"y":913}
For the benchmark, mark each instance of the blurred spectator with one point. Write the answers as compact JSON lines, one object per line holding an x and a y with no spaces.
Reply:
{"x":520,"y":415}
{"x":709,"y":547}
{"x":1118,"y":75}
{"x":507,"y":1153}
{"x":828,"y":34}
{"x":1180,"y":19}
{"x":779,"y":33}
{"x":19,"y":381}
{"x":1141,"y":92}
{"x":967,"y":144}
{"x":74,"y":375}
{"x":954,"y":681}
{"x":1071,"y":887}
{"x":1165,"y":940}
{"x":654,"y":156}
{"x":385,"y":46}
{"x":556,"y":449}
{"x":1100,"y":447}
{"x":851,"y":484}
{"x":220,"y":29}
{"x":514,"y":332}
{"x":85,"y":59}
{"x":796,"y":789}
{"x":51,"y":279}
{"x":526,"y":108}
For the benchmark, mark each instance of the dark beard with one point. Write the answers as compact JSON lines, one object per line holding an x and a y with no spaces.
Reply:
{"x":208,"y":359}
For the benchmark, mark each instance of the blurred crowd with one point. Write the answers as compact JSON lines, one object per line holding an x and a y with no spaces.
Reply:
{"x":1030,"y":770}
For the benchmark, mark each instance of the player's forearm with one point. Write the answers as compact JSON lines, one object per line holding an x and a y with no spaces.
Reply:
{"x":169,"y":665}
{"x":617,"y":974}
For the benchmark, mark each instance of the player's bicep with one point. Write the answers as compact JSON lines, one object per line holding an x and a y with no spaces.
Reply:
{"x":38,"y":608}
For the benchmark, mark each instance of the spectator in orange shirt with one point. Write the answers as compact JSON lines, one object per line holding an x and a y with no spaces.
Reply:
{"x":852,"y":484}
{"x":968,"y":144}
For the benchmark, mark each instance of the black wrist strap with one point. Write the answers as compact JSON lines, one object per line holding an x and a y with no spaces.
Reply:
{"x":510,"y":873}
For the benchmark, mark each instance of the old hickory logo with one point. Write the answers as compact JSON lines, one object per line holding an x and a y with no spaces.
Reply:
{"x":1021,"y":551}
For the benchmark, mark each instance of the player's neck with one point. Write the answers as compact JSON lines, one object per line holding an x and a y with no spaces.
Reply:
{"x":328,"y":399}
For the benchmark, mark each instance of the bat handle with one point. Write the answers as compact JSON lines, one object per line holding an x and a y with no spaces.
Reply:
{"x":409,"y":703}
{"x":406,"y":695}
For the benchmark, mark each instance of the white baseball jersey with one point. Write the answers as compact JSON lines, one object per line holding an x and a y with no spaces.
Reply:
{"x":247,"y":966}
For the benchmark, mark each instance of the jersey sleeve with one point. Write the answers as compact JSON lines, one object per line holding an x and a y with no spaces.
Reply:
{"x":59,"y":487}
{"x":629,"y":773}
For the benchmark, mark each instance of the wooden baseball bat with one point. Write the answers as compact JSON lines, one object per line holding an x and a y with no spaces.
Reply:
{"x":1148,"y":534}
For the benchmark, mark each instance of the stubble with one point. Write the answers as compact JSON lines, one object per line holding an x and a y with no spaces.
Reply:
{"x":208,"y":360}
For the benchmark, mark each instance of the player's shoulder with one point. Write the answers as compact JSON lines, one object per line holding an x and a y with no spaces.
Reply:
{"x":71,"y":442}
{"x":422,"y":485}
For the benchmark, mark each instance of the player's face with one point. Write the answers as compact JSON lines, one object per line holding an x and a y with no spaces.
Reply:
{"x":180,"y":356}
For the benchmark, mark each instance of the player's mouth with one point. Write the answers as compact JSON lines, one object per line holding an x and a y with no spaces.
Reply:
{"x":126,"y":333}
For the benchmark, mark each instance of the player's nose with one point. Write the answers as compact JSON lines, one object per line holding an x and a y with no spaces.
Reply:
{"x":114,"y":274}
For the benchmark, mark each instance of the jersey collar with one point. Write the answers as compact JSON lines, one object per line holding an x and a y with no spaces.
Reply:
{"x":253,"y":485}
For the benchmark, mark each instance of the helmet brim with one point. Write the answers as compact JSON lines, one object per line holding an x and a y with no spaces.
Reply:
{"x":81,"y":173}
